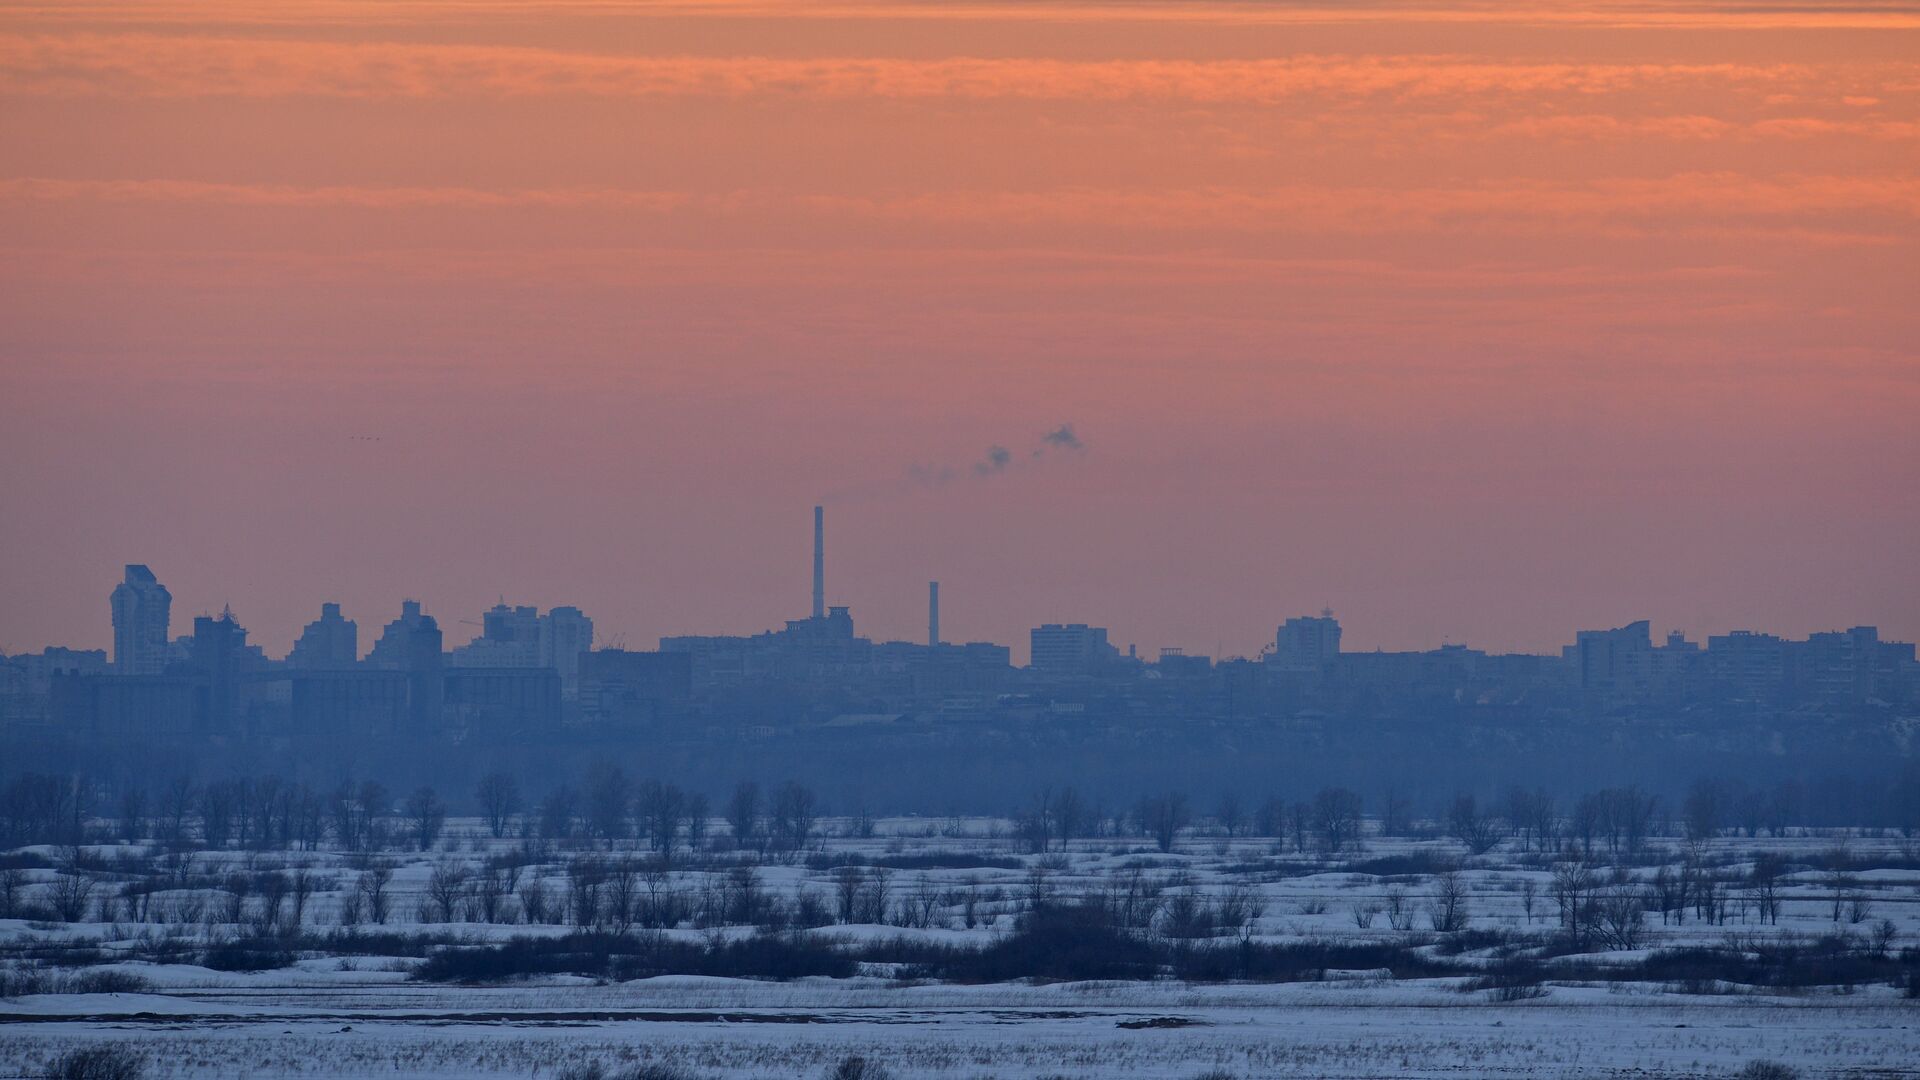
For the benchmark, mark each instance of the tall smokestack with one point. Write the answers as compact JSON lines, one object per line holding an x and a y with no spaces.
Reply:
{"x":819,"y":562}
{"x":933,"y":613}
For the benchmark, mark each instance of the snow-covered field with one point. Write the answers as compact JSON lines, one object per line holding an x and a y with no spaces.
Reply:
{"x":360,"y":1013}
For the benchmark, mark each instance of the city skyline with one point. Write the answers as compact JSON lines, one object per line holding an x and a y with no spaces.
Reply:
{"x":331,"y":616}
{"x":1473,"y":324}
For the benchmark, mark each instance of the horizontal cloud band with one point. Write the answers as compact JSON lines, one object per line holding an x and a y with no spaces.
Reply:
{"x":145,"y":65}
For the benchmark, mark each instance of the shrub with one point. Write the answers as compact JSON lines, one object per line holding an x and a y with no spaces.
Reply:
{"x":108,"y":982}
{"x":1767,"y":1070}
{"x":247,"y":955}
{"x":855,"y":1067}
{"x":97,"y":1063}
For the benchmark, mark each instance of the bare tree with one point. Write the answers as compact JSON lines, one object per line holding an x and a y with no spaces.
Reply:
{"x":794,"y":811}
{"x":609,"y":798}
{"x":374,"y":881}
{"x":662,"y":808}
{"x":1763,"y":885}
{"x":1467,"y":824}
{"x":133,"y":813}
{"x":426,"y":816}
{"x":560,"y":813}
{"x":1336,"y":818}
{"x":743,"y":813}
{"x":70,"y":893}
{"x":1270,"y":819}
{"x":1163,"y":816}
{"x":176,"y":807}
{"x":1449,"y":912}
{"x":446,"y":887}
{"x":498,"y":794}
{"x":1070,"y":816}
{"x":1231,"y":814}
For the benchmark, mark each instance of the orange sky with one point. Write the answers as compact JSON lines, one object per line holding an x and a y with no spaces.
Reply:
{"x":1476,"y":322}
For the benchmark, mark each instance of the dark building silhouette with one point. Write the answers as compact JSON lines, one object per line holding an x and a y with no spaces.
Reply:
{"x":1070,"y":649}
{"x":142,"y":610}
{"x":328,"y":642}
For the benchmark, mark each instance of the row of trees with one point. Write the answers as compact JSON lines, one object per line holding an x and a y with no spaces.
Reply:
{"x":270,"y":812}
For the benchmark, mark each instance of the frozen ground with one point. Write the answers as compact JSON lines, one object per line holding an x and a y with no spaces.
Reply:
{"x":735,"y":1029}
{"x":363,"y":1015}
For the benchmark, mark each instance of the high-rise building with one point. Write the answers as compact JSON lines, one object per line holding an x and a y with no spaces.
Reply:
{"x":1069,"y":649}
{"x":565,"y":634}
{"x":220,"y":655}
{"x":142,"y":608}
{"x":1307,"y":643}
{"x":393,"y":648}
{"x":1615,"y":663}
{"x":521,"y":637}
{"x":328,"y":642}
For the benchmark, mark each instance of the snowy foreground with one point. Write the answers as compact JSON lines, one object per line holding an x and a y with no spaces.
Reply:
{"x":263,"y":1027}
{"x":172,"y":978}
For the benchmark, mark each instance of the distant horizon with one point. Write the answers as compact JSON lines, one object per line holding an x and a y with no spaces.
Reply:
{"x":453,"y":623}
{"x":1476,"y":325}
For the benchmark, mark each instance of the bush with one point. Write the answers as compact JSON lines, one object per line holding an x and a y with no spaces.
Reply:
{"x":97,"y":1063}
{"x":653,"y":1070}
{"x":108,"y":982}
{"x":855,"y":1067}
{"x":1768,"y":1070}
{"x":247,"y":955}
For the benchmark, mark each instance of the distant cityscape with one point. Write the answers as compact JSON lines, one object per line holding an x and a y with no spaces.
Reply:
{"x":530,"y":674}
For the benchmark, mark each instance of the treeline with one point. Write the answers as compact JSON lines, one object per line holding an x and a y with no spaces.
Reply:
{"x":267,"y":813}
{"x":1082,"y":940}
{"x":606,"y":805}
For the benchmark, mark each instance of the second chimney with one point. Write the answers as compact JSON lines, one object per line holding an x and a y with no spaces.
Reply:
{"x":933,"y":613}
{"x":819,"y":562}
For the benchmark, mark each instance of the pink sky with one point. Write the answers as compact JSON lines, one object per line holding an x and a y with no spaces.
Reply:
{"x":1476,"y":323}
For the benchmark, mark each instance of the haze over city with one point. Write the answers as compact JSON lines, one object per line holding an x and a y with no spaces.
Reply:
{"x":959,"y":539}
{"x":1474,"y":325}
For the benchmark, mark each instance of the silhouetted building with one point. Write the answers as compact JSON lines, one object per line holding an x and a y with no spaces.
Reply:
{"x":1069,"y":649}
{"x":502,"y":701}
{"x":1306,"y":643}
{"x":566,"y":634}
{"x":1743,"y":665}
{"x":395,"y":644}
{"x":521,"y":637}
{"x":142,"y":608}
{"x":220,"y":658}
{"x":26,"y":681}
{"x":353,"y":703}
{"x":328,"y":642}
{"x":1614,"y":664}
{"x":623,"y":688}
{"x":1176,"y":664}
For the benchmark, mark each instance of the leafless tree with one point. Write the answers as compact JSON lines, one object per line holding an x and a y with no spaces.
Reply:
{"x":1231,"y":814}
{"x":1469,"y":825}
{"x":794,"y":812}
{"x":662,"y":808}
{"x":133,"y":813}
{"x":560,"y":813}
{"x":1336,"y":818}
{"x":609,"y":798}
{"x":743,"y":814}
{"x":446,"y":887}
{"x":1070,"y":816}
{"x":69,"y":894}
{"x":498,"y":794}
{"x":374,"y":881}
{"x":426,"y":816}
{"x":1449,"y":911}
{"x":1763,"y":885}
{"x":1163,"y":816}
